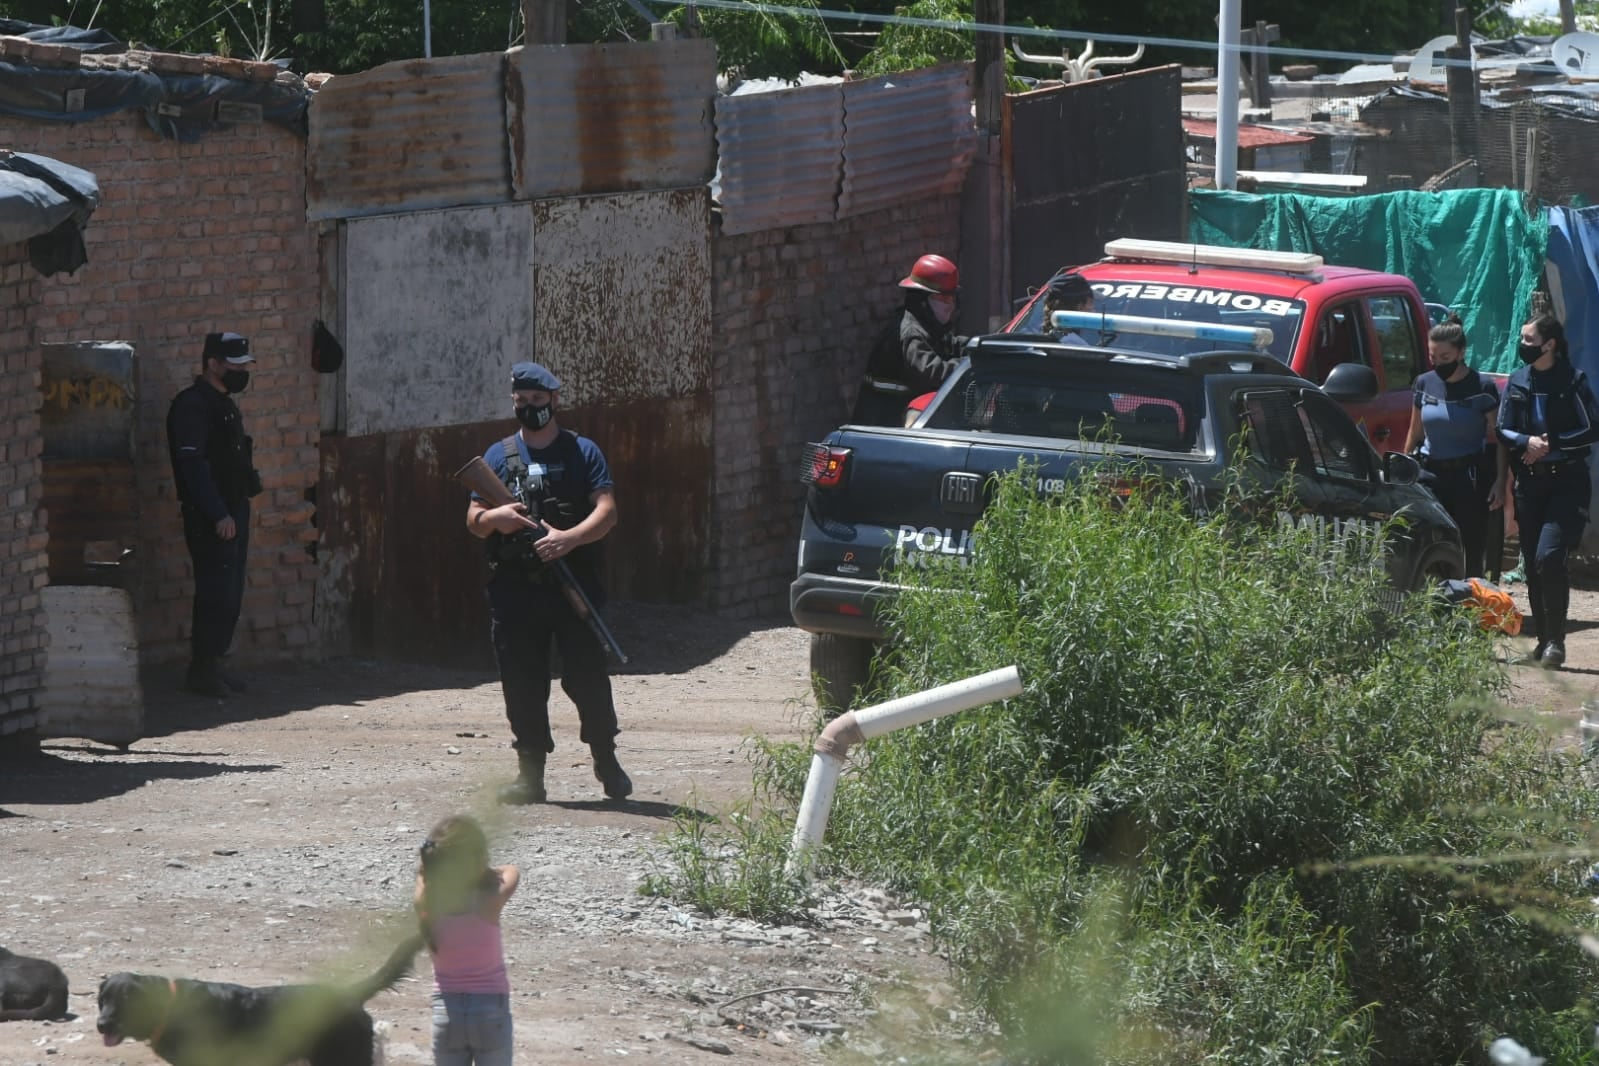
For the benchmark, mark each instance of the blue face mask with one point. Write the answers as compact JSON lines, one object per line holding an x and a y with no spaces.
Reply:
{"x":535,"y":417}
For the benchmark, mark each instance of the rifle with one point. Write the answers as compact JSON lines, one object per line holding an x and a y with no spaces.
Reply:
{"x":481,"y":479}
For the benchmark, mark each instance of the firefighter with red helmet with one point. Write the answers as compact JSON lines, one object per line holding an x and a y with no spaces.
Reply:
{"x":917,"y":351}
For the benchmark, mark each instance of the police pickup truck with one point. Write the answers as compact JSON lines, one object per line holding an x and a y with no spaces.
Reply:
{"x":876,"y":494}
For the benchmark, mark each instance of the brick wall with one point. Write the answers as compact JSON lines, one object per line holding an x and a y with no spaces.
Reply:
{"x":190,"y":238}
{"x":795,"y":312}
{"x":23,"y":638}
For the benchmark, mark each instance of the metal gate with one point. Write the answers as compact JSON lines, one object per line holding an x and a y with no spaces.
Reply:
{"x":1091,"y":161}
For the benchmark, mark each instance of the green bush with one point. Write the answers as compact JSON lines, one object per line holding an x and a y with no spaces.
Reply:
{"x":1222,"y":736}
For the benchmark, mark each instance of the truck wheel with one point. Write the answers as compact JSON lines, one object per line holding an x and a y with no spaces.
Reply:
{"x":839,"y":667}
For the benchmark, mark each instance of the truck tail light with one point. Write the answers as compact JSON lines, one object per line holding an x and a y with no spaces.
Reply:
{"x":824,"y":466}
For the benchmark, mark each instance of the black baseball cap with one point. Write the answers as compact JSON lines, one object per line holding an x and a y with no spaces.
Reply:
{"x":232,"y":347}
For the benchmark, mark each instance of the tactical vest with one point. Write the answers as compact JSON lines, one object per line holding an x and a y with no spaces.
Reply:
{"x":541,"y":504}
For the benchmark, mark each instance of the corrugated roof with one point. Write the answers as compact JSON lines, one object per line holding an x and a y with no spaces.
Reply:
{"x":591,"y":118}
{"x":906,"y":134}
{"x":1248,"y":136}
{"x":782,"y":157}
{"x":409,"y":136}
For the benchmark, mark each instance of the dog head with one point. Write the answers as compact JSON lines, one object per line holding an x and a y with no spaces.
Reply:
{"x":133,"y":1006}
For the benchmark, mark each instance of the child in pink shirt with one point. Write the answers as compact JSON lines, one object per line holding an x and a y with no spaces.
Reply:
{"x":459,"y":897}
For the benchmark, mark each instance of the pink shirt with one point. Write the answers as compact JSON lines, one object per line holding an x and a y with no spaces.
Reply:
{"x":470,"y":956}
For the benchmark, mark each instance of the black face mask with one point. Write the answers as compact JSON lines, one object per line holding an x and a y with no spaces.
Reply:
{"x":535,"y":417}
{"x":1446,"y":370}
{"x":1529,"y":353}
{"x":235,"y":381}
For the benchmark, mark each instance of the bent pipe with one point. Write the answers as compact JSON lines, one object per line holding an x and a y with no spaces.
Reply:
{"x":844,"y":732}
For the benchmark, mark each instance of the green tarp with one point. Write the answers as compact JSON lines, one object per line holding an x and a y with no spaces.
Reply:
{"x":1476,"y":250}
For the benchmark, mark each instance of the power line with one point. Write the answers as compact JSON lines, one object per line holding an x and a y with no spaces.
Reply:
{"x":961,"y":26}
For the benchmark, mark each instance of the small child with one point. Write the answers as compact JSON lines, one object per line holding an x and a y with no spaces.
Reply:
{"x":459,"y":897}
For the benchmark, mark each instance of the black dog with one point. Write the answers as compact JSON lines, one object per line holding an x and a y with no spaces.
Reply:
{"x":31,"y":990}
{"x":208,"y":1023}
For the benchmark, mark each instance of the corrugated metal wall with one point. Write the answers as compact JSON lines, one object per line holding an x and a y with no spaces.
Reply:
{"x":409,"y":136}
{"x":781,"y":157}
{"x":610,"y":117}
{"x":826,"y":152}
{"x":437,"y":306}
{"x":1091,"y":161}
{"x":907,"y":134}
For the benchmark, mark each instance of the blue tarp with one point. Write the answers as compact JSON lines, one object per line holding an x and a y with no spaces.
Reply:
{"x":46,"y":203}
{"x":1573,"y":272}
{"x":183,"y":107}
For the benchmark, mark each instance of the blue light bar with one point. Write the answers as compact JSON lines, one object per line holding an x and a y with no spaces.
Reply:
{"x":1258,"y":337}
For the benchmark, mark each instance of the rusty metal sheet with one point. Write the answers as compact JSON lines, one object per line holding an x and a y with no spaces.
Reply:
{"x":781,"y":157}
{"x":906,"y":134}
{"x":437,"y":306}
{"x":88,"y":404}
{"x":622,"y":295}
{"x":403,"y":579}
{"x":1091,"y":161}
{"x":406,"y":136}
{"x":595,"y":118}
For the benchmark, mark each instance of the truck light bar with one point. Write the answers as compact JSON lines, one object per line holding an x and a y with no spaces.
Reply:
{"x":1250,"y":336}
{"x":1213,"y":255}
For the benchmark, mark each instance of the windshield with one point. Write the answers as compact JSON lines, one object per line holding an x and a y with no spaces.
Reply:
{"x":1194,"y":303}
{"x":1137,"y":406}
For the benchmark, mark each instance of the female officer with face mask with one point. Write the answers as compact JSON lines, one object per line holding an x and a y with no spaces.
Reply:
{"x":918,"y":349}
{"x":1547,"y":423}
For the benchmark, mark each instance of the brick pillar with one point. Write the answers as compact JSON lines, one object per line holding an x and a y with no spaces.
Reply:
{"x":23,"y":572}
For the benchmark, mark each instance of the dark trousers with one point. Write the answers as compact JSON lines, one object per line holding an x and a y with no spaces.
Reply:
{"x":1551,"y":513}
{"x":218,"y":580}
{"x":528,"y":619}
{"x":1463,"y":492}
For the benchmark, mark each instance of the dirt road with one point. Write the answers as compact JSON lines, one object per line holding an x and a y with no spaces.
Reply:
{"x":272,"y":839}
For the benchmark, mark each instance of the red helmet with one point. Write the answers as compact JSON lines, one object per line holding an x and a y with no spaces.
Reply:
{"x":933,"y":273}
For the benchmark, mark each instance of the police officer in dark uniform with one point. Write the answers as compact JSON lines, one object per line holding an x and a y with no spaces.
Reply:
{"x":1548,"y":421}
{"x":566,"y":478}
{"x":916,"y":352}
{"x":212,"y":464}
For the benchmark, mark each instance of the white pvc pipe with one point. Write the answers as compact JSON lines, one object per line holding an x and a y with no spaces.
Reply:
{"x":1227,"y":35}
{"x":832,"y":747}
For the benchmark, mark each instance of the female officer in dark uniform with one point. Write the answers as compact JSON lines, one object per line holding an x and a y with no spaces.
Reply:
{"x":1548,"y":421}
{"x":1454,"y":409}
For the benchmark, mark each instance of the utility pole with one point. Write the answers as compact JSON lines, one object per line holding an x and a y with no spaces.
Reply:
{"x":984,"y":233}
{"x":545,"y":21}
{"x":1228,"y":32}
{"x":1568,"y":16}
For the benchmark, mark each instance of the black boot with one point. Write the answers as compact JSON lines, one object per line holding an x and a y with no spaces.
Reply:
{"x":529,"y":784}
{"x":609,"y":773}
{"x":203,"y":679}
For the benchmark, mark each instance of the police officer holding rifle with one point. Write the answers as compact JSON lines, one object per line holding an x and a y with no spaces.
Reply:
{"x":561,"y":504}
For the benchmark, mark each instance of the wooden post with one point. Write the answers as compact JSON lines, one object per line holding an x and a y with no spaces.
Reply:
{"x":989,"y":86}
{"x":545,"y":21}
{"x":1461,"y":81}
{"x":1259,"y":66}
{"x":985,"y":251}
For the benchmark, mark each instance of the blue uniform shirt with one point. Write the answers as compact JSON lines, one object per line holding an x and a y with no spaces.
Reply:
{"x":1452,"y":414}
{"x":572,"y":468}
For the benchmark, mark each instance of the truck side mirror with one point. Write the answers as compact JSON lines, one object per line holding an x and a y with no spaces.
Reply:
{"x":1351,"y":383}
{"x":1400,"y":469}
